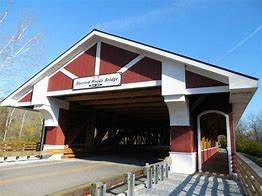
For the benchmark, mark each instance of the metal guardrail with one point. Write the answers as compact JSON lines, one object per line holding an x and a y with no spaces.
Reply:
{"x":249,"y":178}
{"x":153,"y":172}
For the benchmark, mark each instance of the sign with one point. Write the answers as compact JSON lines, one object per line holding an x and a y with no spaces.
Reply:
{"x":97,"y":81}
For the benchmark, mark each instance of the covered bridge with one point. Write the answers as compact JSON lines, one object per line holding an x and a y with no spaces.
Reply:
{"x":109,"y":91}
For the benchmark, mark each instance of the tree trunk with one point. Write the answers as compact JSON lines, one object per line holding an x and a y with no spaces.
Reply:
{"x":22,"y":125}
{"x":8,"y":122}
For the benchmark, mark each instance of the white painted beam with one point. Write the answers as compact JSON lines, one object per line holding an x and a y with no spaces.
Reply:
{"x":98,"y":53}
{"x":130,"y":64}
{"x":68,"y":73}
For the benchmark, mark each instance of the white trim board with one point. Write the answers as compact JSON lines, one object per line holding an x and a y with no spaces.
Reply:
{"x":22,"y":104}
{"x":68,"y":74}
{"x":122,"y":87}
{"x":206,"y":90}
{"x":131,"y":63}
{"x":97,"y":63}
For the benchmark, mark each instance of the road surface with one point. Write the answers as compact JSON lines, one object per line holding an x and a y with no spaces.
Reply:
{"x":44,"y":177}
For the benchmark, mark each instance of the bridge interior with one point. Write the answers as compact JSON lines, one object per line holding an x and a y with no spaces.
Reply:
{"x":214,"y":153}
{"x":118,"y":121}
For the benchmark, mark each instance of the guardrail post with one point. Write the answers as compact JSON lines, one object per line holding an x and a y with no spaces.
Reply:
{"x":156,"y":174}
{"x":98,"y":189}
{"x":95,"y":189}
{"x":166,"y":170}
{"x":149,"y":176}
{"x":103,"y":190}
{"x":161,"y":171}
{"x":130,"y":178}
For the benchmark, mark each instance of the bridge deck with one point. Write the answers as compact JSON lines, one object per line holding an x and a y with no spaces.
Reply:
{"x":216,"y":164}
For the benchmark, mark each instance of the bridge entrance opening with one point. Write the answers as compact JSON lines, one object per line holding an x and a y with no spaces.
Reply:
{"x":127,"y":122}
{"x":214,"y":148}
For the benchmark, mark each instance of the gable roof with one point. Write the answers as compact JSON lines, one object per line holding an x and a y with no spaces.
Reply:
{"x":95,"y":35}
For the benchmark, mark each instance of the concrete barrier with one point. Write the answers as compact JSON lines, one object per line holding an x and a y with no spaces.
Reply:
{"x":11,"y":159}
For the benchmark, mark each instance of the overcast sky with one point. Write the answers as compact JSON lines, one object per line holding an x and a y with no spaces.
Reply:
{"x":224,"y":32}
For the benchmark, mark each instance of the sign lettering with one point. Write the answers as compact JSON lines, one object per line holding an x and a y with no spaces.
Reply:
{"x":97,"y":81}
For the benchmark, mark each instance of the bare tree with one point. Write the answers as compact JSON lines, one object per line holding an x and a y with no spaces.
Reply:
{"x":255,"y":126}
{"x":241,"y":129}
{"x":22,"y":124}
{"x":17,"y":51}
{"x":8,"y":122}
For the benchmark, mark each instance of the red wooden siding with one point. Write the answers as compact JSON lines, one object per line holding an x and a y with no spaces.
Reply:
{"x":182,"y":139}
{"x":84,"y":65}
{"x":208,"y":153}
{"x":59,"y":81}
{"x":194,"y":80}
{"x":27,"y":98}
{"x":145,"y":70}
{"x":114,"y":58}
{"x":56,"y":135}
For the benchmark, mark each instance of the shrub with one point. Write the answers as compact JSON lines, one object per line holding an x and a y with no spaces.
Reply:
{"x":249,"y":147}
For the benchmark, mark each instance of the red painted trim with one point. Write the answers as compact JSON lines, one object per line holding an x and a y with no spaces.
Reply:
{"x":59,"y":81}
{"x":56,"y":135}
{"x":194,"y":80}
{"x":208,"y":153}
{"x":145,"y":70}
{"x":182,"y":139}
{"x":27,"y":97}
{"x":113,"y":58}
{"x":84,"y":65}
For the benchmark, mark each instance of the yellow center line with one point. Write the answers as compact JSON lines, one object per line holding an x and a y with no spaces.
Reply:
{"x":67,"y":171}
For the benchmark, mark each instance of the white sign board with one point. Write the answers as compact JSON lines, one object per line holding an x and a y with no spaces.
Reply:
{"x":97,"y":81}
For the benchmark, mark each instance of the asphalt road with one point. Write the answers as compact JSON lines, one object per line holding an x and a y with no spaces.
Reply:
{"x":44,"y":177}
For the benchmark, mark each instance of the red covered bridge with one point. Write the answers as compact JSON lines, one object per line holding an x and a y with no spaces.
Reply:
{"x":106,"y":92}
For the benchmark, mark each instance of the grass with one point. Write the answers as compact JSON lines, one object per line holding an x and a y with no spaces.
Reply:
{"x":257,"y":160}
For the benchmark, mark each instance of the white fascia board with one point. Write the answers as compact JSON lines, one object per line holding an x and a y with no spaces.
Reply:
{"x":207,"y":90}
{"x":240,"y":82}
{"x":122,"y":87}
{"x":17,"y":104}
